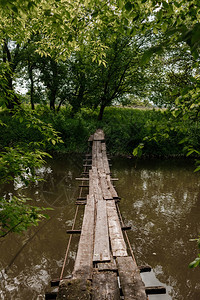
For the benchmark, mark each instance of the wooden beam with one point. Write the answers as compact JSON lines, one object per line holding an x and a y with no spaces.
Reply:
{"x":144,"y":269}
{"x":81,"y":202}
{"x":153,"y":290}
{"x":74,"y":231}
{"x":126,"y":228}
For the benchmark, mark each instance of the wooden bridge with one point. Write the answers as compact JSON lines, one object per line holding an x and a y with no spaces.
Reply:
{"x":104,"y":268}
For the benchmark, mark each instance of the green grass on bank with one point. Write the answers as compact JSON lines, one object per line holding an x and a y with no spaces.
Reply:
{"x":124,"y":128}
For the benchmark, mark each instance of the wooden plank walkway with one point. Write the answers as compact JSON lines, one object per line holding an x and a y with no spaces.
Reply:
{"x":103,"y":269}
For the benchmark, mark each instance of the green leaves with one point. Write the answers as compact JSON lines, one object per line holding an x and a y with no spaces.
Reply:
{"x":138,"y":150}
{"x":16,"y":215}
{"x":19,"y":163}
{"x":196,"y":262}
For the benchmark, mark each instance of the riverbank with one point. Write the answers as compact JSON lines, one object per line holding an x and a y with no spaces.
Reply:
{"x":124,"y":128}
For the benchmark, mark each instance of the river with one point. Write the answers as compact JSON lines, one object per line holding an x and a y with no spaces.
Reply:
{"x":160,"y":199}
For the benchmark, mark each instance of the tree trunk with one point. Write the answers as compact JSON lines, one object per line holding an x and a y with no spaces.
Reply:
{"x":11,"y":98}
{"x":54,"y":87}
{"x":60,"y":103}
{"x":52,"y":100}
{"x":100,"y":116}
{"x":30,"y":72}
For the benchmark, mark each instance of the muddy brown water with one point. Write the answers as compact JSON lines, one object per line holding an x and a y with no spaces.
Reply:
{"x":160,"y":200}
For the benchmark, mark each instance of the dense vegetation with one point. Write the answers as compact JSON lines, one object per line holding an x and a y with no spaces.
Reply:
{"x":125,"y":128}
{"x":80,"y":58}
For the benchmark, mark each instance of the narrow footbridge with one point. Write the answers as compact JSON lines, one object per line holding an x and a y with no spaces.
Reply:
{"x":105,"y":267}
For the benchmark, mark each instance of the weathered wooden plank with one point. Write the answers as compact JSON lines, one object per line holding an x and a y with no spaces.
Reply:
{"x":105,"y":286}
{"x":132,"y":285}
{"x":94,"y":154}
{"x":118,"y":245}
{"x":103,"y":147}
{"x":100,"y":165}
{"x":111,"y":188}
{"x":101,"y":241}
{"x":104,"y":186}
{"x":95,"y":185}
{"x":105,"y":162}
{"x":83,"y":264}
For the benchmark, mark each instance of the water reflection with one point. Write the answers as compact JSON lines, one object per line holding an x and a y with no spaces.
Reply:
{"x":160,"y":200}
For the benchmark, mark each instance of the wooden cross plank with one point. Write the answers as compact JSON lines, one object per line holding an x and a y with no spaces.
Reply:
{"x":107,"y":266}
{"x":101,"y":241}
{"x":130,"y":279}
{"x":83,"y":265}
{"x":116,"y":236}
